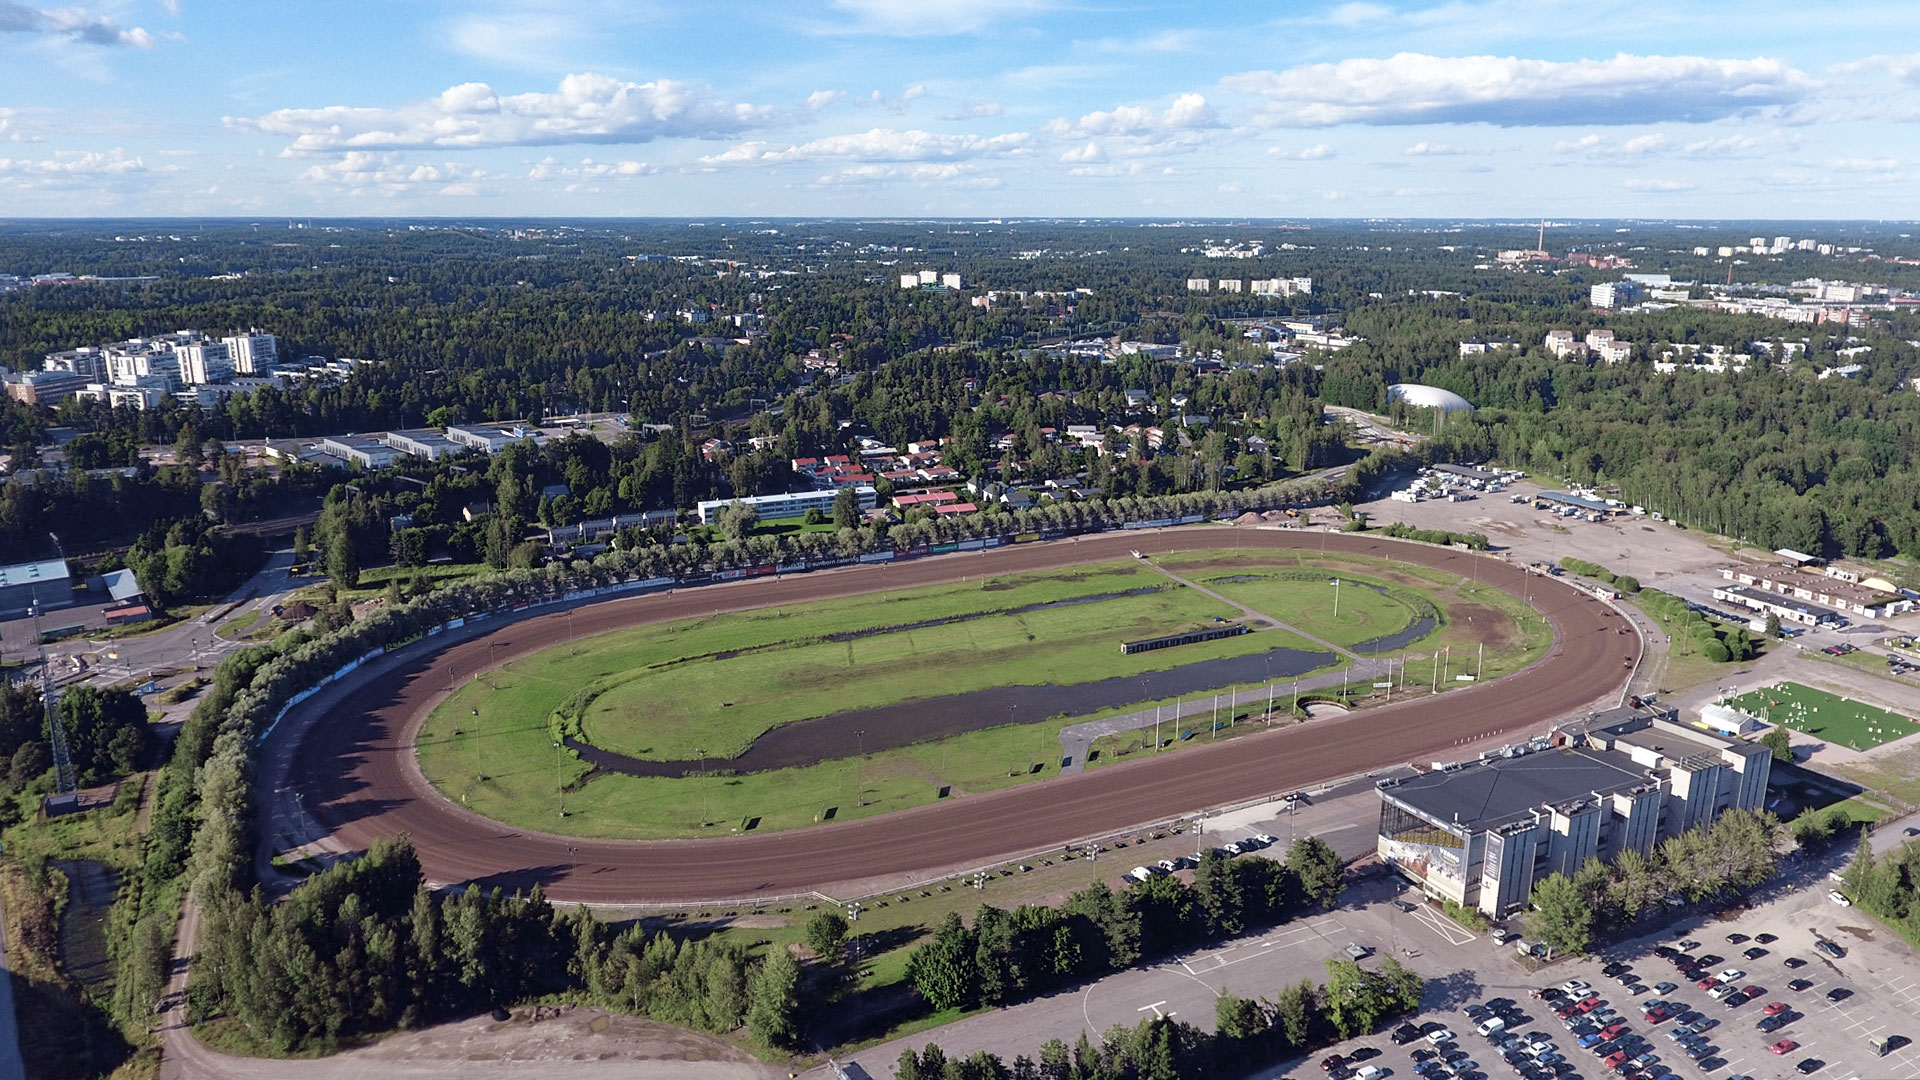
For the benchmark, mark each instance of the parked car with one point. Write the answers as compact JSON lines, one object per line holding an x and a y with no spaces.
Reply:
{"x":1793,"y":962}
{"x":1735,"y":939}
{"x":1799,"y":984}
{"x":1754,"y":953}
{"x":1784,"y":1046}
{"x":1765,"y":939}
{"x":1774,"y":1023}
{"x":1809,"y":1066}
{"x":1664,"y":988}
{"x":1839,"y":993}
{"x":1829,"y":948}
{"x":1840,"y":898}
{"x":1405,"y":1034}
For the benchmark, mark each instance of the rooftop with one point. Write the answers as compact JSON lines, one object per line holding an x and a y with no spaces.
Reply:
{"x":1489,"y":794}
{"x":32,"y":572}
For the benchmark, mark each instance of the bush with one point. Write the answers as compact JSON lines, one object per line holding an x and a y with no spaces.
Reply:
{"x":1465,"y":916}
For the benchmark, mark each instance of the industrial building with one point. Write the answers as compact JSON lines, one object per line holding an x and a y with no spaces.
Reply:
{"x":367,"y":451}
{"x":22,"y":585}
{"x":423,"y":443}
{"x":1480,"y":833}
{"x":780,"y":507}
{"x":1783,"y":605}
{"x":491,"y":438}
{"x":1831,"y":590}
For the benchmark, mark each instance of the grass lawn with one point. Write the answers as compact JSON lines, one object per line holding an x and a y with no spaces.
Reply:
{"x":239,"y":625}
{"x":666,"y":691}
{"x":1304,"y":599}
{"x":106,"y":833}
{"x":1825,"y":716}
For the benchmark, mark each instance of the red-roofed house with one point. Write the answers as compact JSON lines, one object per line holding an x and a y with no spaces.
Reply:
{"x":956,"y":508}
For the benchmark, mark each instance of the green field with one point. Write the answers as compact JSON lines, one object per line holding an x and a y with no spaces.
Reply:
{"x":668,"y":691}
{"x":664,"y":693}
{"x":1305,"y":599}
{"x":1825,"y":716}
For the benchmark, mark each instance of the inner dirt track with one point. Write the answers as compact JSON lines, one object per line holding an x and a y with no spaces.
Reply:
{"x":341,"y":766}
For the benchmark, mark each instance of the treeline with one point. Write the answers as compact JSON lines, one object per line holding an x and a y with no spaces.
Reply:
{"x":1738,"y":851}
{"x":1623,"y":582}
{"x":1691,"y":630}
{"x":1402,"y":531}
{"x":1248,"y":1032}
{"x":1887,"y":886}
{"x":365,"y":947}
{"x":1007,"y":957}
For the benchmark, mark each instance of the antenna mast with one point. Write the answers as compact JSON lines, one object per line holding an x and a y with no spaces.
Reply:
{"x":64,"y":787}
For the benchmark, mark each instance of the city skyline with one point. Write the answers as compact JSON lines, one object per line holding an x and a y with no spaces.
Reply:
{"x":968,"y":108}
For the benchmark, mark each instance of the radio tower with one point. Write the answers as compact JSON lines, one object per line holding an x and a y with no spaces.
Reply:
{"x":1542,"y":249}
{"x":65,"y":792}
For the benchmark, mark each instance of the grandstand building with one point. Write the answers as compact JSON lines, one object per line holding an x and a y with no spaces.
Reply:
{"x":1480,"y":833}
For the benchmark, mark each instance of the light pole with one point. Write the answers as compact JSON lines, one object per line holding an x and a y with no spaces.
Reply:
{"x":859,"y":748}
{"x":1336,"y":597}
{"x":559,"y":783}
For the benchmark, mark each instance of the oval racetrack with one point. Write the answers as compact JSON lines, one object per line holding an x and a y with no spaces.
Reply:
{"x":350,"y":758}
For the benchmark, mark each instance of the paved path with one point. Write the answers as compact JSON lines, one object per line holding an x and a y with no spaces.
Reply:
{"x":11,"y":1067}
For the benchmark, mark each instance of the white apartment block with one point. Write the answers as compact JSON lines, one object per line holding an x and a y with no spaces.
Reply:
{"x":203,"y":362}
{"x":253,"y":353}
{"x":1229,"y":285}
{"x":1199,"y":284}
{"x":1295,"y":286}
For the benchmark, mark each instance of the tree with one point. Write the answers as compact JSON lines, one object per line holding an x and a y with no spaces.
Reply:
{"x":1316,"y":866}
{"x":1561,"y":918}
{"x":942,"y":969}
{"x":1404,"y":988}
{"x":846,"y":509}
{"x":106,"y":730}
{"x":300,"y":545}
{"x":773,"y":1000}
{"x":1294,"y":1008}
{"x":343,"y":562}
{"x":827,"y":936}
{"x":1773,"y":625}
{"x":737,"y":520}
{"x":1778,"y":741}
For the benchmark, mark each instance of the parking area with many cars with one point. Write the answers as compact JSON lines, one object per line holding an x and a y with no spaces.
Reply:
{"x":1795,"y":985}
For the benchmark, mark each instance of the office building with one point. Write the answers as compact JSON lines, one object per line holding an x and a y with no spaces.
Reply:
{"x":253,"y":353}
{"x":781,"y":507}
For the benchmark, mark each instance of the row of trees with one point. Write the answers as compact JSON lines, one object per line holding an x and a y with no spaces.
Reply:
{"x":1247,"y":1032}
{"x":1737,"y":852}
{"x":1006,"y":957}
{"x":184,"y":559}
{"x":365,"y":947}
{"x":1887,"y":886}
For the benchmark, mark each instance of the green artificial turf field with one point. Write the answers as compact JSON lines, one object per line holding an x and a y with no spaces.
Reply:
{"x":1825,"y":716}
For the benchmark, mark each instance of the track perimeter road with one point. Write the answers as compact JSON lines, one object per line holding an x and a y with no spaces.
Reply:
{"x":341,"y":767}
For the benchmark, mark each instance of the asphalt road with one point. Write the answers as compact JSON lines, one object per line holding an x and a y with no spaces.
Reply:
{"x":343,"y":764}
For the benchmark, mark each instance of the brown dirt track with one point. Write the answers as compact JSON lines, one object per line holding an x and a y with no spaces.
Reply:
{"x":351,"y":761}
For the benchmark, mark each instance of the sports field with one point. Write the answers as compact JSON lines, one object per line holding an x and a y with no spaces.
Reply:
{"x":1825,"y":716}
{"x":708,"y":688}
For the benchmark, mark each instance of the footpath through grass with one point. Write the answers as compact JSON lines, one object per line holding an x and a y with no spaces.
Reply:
{"x":1825,"y":716}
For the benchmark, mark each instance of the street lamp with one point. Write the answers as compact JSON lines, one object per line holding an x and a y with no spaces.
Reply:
{"x":704,"y":820}
{"x":559,"y":782}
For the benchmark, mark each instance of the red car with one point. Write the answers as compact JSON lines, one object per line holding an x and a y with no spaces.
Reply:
{"x":1660,"y":1015}
{"x":1332,"y":1062}
{"x":1613,"y":1031}
{"x":1566,"y":1011}
{"x":1590,"y":1004}
{"x":1619,"y":1057}
{"x":1708,"y":983}
{"x":1774,"y":1008}
{"x":1784,"y":1046}
{"x":1754,"y":992}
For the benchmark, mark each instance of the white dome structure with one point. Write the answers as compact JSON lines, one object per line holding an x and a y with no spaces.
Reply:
{"x":1428,"y":397}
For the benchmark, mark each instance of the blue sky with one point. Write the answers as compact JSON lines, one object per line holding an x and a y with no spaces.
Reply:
{"x":1483,"y":108}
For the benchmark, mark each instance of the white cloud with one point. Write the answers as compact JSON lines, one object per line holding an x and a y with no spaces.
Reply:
{"x":820,"y":99}
{"x":1316,"y":152}
{"x":1864,"y":165}
{"x":1232,"y":188}
{"x":1660,"y":144}
{"x":948,"y":174}
{"x":1638,"y":184}
{"x":896,"y":104}
{"x":551,"y":168}
{"x":71,"y":163}
{"x":362,"y":171}
{"x":1089,"y":152}
{"x":1131,"y":168}
{"x":975,"y":110}
{"x":1356,"y":14}
{"x":75,"y":24}
{"x":916,"y":18}
{"x":1189,"y":112}
{"x":879,"y":144}
{"x":1423,"y":148}
{"x":1412,"y":88}
{"x":586,"y":109}
{"x":1645,"y":144}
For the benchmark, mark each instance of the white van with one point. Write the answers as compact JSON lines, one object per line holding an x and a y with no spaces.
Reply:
{"x":1491,"y":1027}
{"x":1140,"y":873}
{"x":1370,"y":1072}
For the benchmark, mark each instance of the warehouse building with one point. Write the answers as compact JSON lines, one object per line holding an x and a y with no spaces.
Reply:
{"x":22,"y":585}
{"x":1480,"y":833}
{"x":780,"y":507}
{"x":1789,"y":609}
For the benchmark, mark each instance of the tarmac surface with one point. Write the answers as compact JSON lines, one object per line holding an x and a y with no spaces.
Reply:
{"x":341,"y":769}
